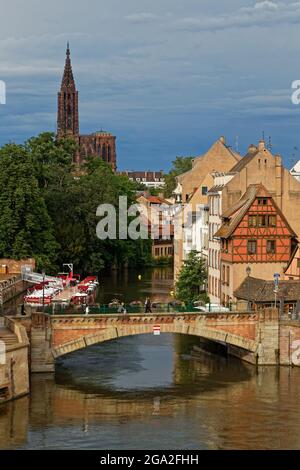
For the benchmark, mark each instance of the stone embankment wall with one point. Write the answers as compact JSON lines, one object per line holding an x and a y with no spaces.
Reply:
{"x":14,"y":360}
{"x":10,"y":288}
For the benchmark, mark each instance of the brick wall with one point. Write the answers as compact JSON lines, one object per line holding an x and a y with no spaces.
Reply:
{"x":61,"y":336}
{"x":14,"y":267}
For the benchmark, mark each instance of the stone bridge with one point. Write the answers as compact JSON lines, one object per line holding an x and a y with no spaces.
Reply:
{"x":251,"y":336}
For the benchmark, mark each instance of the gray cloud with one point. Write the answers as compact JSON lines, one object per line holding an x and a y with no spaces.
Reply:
{"x":141,"y":17}
{"x":161,"y":80}
{"x":260,"y":14}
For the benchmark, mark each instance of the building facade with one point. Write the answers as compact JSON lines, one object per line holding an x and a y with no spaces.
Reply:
{"x":158,"y":217}
{"x":214,"y":247}
{"x":259,"y":166}
{"x":192,"y":193}
{"x":99,"y":144}
{"x":255,"y":238}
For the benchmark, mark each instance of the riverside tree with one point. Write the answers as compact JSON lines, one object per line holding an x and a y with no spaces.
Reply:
{"x":26,"y":229}
{"x":192,"y":279}
{"x":61,"y":204}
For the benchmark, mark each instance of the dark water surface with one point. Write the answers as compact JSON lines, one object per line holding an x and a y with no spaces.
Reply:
{"x":148,"y":392}
{"x":126,"y":286}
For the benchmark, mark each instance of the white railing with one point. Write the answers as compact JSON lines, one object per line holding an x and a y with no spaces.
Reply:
{"x":38,"y":278}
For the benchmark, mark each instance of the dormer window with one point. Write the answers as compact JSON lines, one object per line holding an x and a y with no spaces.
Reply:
{"x":262,"y":201}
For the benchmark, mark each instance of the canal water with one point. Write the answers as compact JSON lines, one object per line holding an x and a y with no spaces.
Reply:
{"x":151,"y":392}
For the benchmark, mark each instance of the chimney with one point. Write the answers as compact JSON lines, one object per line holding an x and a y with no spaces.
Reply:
{"x":252,"y":148}
{"x":261,"y":145}
{"x":222,"y":139}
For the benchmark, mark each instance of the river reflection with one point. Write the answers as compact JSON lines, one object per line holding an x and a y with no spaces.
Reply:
{"x":147,"y":392}
{"x":126,"y":285}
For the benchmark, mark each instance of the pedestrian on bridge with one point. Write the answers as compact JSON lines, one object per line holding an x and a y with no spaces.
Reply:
{"x":148,"y":308}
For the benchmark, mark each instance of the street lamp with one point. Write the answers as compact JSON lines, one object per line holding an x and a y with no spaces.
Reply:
{"x":276,"y":287}
{"x":248,"y":272}
{"x":43,"y":274}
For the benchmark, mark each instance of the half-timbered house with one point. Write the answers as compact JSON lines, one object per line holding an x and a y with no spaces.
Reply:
{"x":256,"y":235}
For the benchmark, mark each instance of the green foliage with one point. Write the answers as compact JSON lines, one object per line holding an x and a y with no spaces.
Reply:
{"x":26,"y":230}
{"x":52,"y":158}
{"x":192,"y":278}
{"x":48,"y":212}
{"x":179,"y":165}
{"x":151,"y":191}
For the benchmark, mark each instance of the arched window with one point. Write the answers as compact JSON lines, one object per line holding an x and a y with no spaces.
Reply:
{"x":69,"y":118}
{"x":108,"y":153}
{"x":99,"y":150}
{"x":104,"y":152}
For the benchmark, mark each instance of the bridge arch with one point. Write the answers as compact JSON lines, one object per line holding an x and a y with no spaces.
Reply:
{"x":249,"y":346}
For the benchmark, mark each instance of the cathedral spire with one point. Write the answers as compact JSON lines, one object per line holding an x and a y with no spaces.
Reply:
{"x":68,"y":78}
{"x":67,"y":116}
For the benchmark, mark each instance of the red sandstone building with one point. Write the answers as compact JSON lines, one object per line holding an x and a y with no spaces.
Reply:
{"x":100,"y":144}
{"x":254,"y":234}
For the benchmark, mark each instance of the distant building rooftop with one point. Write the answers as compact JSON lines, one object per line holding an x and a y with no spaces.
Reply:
{"x":154,"y":179}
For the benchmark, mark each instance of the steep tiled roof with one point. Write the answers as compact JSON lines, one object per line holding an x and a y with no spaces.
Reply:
{"x":156,"y":200}
{"x":263,"y":291}
{"x":215,"y":189}
{"x":252,"y":151}
{"x":235,"y":213}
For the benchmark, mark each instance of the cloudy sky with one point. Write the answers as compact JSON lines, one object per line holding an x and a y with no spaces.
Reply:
{"x":167,"y":77}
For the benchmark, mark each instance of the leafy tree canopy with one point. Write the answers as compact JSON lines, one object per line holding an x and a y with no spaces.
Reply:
{"x":192,"y":279}
{"x":48,"y":211}
{"x":26,"y":229}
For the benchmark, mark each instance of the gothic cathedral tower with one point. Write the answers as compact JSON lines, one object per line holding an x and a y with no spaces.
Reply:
{"x":100,"y":144}
{"x":67,"y":116}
